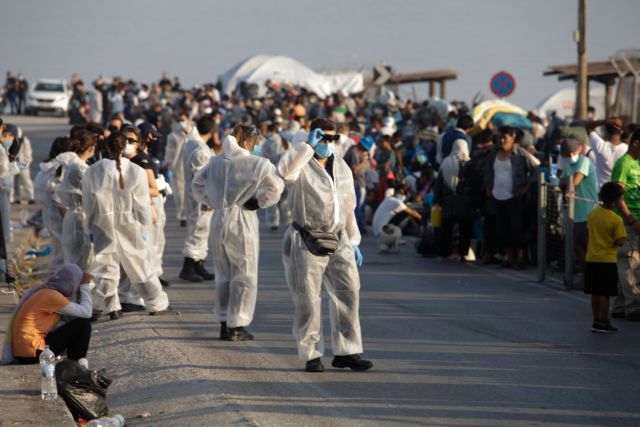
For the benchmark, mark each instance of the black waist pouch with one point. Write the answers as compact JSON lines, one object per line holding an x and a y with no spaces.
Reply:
{"x":319,"y":243}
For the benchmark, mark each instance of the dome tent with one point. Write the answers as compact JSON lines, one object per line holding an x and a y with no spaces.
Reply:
{"x":260,"y":68}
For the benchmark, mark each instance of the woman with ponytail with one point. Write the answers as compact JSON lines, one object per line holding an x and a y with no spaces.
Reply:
{"x":117,"y":206}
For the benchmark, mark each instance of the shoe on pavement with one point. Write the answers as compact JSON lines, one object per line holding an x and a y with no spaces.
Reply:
{"x":314,"y":365}
{"x":131,"y":308}
{"x":352,"y":361}
{"x":238,"y":334}
{"x":115,"y":315}
{"x":96,"y":315}
{"x":202,"y":271}
{"x":168,"y":310}
{"x":164,"y":283}
{"x":183,"y":223}
{"x":603,"y":328}
{"x":224,"y":331}
{"x":634,"y":316}
{"x":188,"y":271}
{"x":274,"y":228}
{"x":617,"y":314}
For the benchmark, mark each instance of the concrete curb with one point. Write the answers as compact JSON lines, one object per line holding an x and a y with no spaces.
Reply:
{"x":20,"y":386}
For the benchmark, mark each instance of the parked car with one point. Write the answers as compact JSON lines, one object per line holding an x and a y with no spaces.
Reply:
{"x":48,"y":95}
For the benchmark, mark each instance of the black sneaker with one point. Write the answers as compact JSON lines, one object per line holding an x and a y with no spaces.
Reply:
{"x":96,"y":315}
{"x":352,"y":361}
{"x":603,"y":328}
{"x":314,"y":365}
{"x":224,"y":331}
{"x":238,"y":334}
{"x":202,"y":271}
{"x":274,"y":228}
{"x":188,"y":271}
{"x":163,"y":282}
{"x":131,"y":308}
{"x":183,"y":223}
{"x":115,"y":315}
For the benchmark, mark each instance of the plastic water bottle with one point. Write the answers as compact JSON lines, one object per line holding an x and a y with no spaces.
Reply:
{"x":115,"y":421}
{"x":48,"y":370}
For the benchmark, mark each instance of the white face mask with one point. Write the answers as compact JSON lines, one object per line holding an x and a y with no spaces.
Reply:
{"x":401,"y":197}
{"x":574,"y":159}
{"x":129,"y":149}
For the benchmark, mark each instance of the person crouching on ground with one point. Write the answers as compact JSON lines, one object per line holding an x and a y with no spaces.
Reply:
{"x":38,"y":318}
{"x":606,"y":232}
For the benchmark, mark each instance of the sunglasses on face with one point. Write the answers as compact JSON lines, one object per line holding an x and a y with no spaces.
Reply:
{"x":330,"y":138}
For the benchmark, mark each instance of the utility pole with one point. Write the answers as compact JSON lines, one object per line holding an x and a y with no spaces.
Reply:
{"x":582,"y":95}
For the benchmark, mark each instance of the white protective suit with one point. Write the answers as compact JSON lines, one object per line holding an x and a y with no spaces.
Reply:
{"x":273,"y":150}
{"x":119,"y":220}
{"x":226,"y":184}
{"x":45,"y":185}
{"x":76,"y":247}
{"x":174,"y":154}
{"x":7,"y":171}
{"x":196,"y":244}
{"x":23,"y":181}
{"x":320,"y":202}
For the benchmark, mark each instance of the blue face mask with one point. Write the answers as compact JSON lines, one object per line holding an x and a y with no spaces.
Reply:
{"x":183,"y":125}
{"x":7,"y":143}
{"x":257,"y":150}
{"x":324,"y":150}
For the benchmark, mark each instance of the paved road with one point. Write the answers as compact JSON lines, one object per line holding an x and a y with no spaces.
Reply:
{"x":455,"y":345}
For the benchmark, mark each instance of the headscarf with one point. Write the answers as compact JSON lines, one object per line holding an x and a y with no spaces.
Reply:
{"x":450,"y":168}
{"x":65,"y":280}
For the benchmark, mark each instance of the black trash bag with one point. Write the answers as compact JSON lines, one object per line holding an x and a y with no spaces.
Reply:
{"x":84,"y":391}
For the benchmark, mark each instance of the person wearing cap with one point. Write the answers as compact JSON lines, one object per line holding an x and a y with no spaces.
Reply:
{"x":507,"y":178}
{"x":174,"y":162}
{"x":626,"y":173}
{"x":607,"y":152}
{"x":358,"y":160}
{"x":581,"y":171}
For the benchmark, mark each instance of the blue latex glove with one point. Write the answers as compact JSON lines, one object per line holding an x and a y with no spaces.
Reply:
{"x":144,"y":236}
{"x":169,"y":175}
{"x":358,"y":254}
{"x":22,"y":166}
{"x":315,"y":136}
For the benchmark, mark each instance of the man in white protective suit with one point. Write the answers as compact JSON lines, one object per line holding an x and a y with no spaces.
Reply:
{"x":174,"y":162}
{"x":236,"y":184}
{"x":117,"y":207}
{"x":196,"y":245}
{"x":321,"y":247}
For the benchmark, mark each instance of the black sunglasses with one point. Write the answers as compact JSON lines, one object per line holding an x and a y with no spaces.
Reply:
{"x":330,"y":138}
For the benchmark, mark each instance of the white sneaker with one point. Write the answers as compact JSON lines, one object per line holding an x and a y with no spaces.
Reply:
{"x":84,"y":363}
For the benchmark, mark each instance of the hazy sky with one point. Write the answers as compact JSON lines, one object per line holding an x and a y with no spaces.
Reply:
{"x":200,"y":39}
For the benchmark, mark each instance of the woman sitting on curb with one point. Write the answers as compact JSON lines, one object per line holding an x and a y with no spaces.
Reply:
{"x":47,"y":315}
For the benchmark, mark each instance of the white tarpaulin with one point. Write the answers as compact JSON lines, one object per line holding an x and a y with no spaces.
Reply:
{"x":260,"y":68}
{"x":563,"y":102}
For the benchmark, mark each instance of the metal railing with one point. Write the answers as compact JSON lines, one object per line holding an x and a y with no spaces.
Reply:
{"x":555,"y":244}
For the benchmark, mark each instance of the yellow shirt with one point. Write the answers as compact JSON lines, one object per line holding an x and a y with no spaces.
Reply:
{"x":605,"y":227}
{"x":35,"y":319}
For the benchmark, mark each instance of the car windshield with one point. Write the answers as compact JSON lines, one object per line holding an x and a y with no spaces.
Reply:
{"x":49,"y":87}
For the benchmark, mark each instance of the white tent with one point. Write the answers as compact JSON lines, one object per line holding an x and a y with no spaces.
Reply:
{"x":563,"y":102}
{"x":260,"y":68}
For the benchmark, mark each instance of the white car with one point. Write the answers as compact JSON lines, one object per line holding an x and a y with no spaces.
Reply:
{"x":48,"y":95}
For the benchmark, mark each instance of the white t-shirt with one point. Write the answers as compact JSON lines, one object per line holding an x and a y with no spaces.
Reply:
{"x":386,"y":210}
{"x":502,"y":179}
{"x":606,"y":156}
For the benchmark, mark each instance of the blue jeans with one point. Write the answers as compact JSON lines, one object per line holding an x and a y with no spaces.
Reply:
{"x":361,"y":197}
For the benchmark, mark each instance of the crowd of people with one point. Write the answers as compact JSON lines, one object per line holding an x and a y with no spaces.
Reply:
{"x":329,"y":170}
